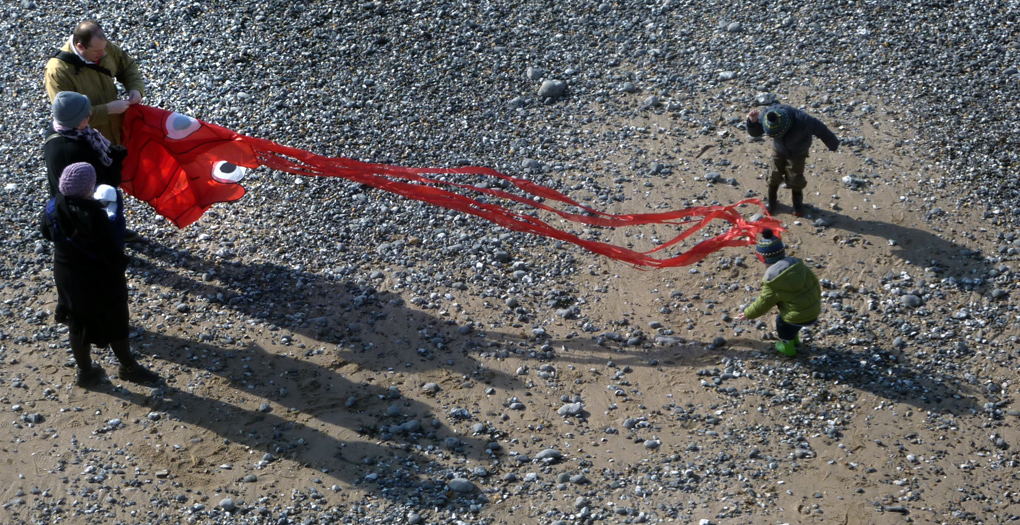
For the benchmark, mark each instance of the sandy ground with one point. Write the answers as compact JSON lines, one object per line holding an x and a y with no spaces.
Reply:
{"x":240,"y":387}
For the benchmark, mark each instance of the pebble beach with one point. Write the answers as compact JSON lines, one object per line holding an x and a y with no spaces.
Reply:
{"x":333,"y":353}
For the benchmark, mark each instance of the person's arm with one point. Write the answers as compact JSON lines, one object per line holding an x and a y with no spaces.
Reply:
{"x":111,"y":175}
{"x":754,"y":127}
{"x":129,"y":76}
{"x":59,"y":79}
{"x":45,"y":226}
{"x":762,"y":304}
{"x":56,"y":79}
{"x":820,"y":130}
{"x":110,"y":249}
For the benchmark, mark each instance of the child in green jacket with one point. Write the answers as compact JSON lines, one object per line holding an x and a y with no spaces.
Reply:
{"x":790,"y":285}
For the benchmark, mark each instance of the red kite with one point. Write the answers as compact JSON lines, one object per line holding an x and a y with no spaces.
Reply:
{"x":181,"y":166}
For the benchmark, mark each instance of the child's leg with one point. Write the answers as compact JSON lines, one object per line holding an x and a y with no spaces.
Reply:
{"x":785,"y":330}
{"x":776,"y":176}
{"x":788,"y":339}
{"x":797,"y":182}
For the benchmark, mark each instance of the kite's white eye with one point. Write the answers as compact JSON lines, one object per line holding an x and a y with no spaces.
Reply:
{"x":228,"y":172}
{"x":180,"y":126}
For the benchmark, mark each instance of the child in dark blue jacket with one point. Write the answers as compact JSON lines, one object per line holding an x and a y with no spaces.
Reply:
{"x":791,"y":131}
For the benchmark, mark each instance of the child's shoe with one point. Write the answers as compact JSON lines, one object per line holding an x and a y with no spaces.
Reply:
{"x":787,"y":348}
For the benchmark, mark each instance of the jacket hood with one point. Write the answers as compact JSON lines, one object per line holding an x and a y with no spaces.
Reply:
{"x":783,"y":276}
{"x":73,"y":217}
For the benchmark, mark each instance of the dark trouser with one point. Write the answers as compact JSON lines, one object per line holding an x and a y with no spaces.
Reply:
{"x":788,"y":170}
{"x":788,"y":331}
{"x":82,"y":352}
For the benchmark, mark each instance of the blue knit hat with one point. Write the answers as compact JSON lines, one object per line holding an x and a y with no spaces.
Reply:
{"x":770,"y":248}
{"x":776,"y":122}
{"x":78,"y":180}
{"x":70,"y":108}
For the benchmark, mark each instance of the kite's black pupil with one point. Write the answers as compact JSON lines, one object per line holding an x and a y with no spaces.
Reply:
{"x":227,"y":167}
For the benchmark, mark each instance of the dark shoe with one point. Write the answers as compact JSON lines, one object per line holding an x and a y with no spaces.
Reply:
{"x":91,"y":376}
{"x":798,"y":203}
{"x":773,"y":200}
{"x":137,"y":373}
{"x":131,"y":236}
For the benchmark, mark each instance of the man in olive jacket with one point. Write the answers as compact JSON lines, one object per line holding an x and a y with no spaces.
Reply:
{"x":88,"y":64}
{"x":791,"y":286}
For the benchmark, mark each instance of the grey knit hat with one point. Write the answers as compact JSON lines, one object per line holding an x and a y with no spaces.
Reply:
{"x":70,"y":108}
{"x":78,"y":180}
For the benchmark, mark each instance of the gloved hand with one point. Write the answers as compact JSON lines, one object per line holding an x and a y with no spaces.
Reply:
{"x":118,"y":152}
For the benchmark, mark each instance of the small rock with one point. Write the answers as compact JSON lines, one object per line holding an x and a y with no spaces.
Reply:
{"x":650,"y":102}
{"x":571,"y":409}
{"x":549,"y":454}
{"x":461,"y":485}
{"x":911,"y":301}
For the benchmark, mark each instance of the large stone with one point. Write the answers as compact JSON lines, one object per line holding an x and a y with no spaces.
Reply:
{"x":552,"y":89}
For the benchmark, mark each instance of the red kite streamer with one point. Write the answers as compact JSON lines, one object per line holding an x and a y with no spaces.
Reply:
{"x":181,"y":166}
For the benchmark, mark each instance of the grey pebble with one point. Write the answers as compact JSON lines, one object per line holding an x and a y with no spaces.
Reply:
{"x":461,"y":485}
{"x":552,"y":89}
{"x":911,"y":301}
{"x":571,"y":409}
{"x":549,"y":454}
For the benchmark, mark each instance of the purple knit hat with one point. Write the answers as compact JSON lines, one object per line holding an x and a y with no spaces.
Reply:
{"x":78,"y":180}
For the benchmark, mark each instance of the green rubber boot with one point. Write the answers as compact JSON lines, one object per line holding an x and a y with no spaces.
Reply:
{"x":787,"y":348}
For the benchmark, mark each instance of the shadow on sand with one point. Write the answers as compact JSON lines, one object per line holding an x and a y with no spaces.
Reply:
{"x":922,"y":249}
{"x":291,"y":401}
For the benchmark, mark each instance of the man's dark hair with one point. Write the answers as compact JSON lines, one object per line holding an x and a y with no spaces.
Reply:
{"x":85,"y":32}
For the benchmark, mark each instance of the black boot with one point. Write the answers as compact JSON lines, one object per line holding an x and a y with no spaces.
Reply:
{"x":131,"y":370}
{"x":773,"y":200}
{"x":137,"y":373}
{"x":90,"y":375}
{"x":798,"y":203}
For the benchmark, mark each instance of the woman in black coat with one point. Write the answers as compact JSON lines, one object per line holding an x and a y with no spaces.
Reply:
{"x":88,"y":266}
{"x":70,"y":139}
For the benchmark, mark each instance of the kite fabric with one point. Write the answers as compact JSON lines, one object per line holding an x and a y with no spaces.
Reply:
{"x":181,"y":166}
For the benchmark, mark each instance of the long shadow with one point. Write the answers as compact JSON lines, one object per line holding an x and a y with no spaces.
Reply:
{"x":291,"y":384}
{"x":922,"y":249}
{"x":882,"y":372}
{"x":294,"y":400}
{"x":376,"y":327}
{"x":295,"y":409}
